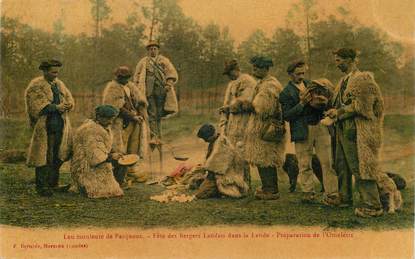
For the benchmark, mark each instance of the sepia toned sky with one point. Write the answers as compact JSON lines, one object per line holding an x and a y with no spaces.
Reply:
{"x":396,"y":17}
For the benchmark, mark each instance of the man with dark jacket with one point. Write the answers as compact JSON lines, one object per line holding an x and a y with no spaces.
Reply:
{"x":307,"y":133}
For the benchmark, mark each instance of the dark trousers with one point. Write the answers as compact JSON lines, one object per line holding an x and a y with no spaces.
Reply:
{"x":155,"y":111}
{"x":48,"y":176}
{"x":119,"y":172}
{"x":269,"y":178}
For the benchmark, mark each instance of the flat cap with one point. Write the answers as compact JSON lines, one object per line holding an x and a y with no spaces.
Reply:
{"x":291,"y":67}
{"x":261,"y":61}
{"x":345,"y":53}
{"x":230,"y":65}
{"x":107,"y":111}
{"x":324,"y":82}
{"x":206,"y":131}
{"x":322,"y":86}
{"x":123,"y":71}
{"x":49,"y":63}
{"x":152,"y":43}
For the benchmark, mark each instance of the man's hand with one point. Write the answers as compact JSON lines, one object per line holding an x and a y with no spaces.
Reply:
{"x":169,"y":84}
{"x":224,"y":109}
{"x":68,"y":106}
{"x":115,"y":156}
{"x":305,"y":97}
{"x":138,"y":119}
{"x":332,"y":113}
{"x":63,"y":107}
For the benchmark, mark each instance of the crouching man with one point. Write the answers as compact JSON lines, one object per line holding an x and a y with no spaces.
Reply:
{"x":225,"y":169}
{"x":91,"y":166}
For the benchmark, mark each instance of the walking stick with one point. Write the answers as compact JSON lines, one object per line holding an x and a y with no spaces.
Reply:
{"x":160,"y":151}
{"x":161,"y":158}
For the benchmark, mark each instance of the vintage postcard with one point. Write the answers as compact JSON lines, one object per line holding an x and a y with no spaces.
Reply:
{"x":207,"y":129}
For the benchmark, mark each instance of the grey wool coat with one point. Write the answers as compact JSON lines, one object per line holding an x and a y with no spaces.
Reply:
{"x":264,"y":105}
{"x":38,"y":95}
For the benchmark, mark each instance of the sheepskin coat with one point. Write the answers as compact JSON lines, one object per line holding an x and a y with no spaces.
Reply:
{"x":38,"y":95}
{"x":89,"y":167}
{"x":115,"y":95}
{"x":233,"y":124}
{"x":365,"y":103}
{"x":228,"y":165}
{"x":265,"y":105}
{"x":169,"y":72}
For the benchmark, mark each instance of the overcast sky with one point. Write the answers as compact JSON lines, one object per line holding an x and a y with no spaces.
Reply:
{"x":396,"y":17}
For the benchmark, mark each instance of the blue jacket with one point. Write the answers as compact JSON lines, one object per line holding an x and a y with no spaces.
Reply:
{"x":298,"y":116}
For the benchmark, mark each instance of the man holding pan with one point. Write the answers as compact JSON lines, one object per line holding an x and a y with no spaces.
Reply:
{"x":93,"y":156}
{"x":130,"y":129}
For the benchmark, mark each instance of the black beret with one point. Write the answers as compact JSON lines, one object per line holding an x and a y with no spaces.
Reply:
{"x":346,"y":53}
{"x":399,"y":181}
{"x":107,"y":111}
{"x":294,"y":65}
{"x":230,"y":65}
{"x":261,"y":61}
{"x":46,"y":64}
{"x":123,"y":71}
{"x":206,"y":131}
{"x":152,"y":43}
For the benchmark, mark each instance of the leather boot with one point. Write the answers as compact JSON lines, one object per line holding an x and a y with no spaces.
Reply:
{"x":42,"y":183}
{"x":269,"y":190}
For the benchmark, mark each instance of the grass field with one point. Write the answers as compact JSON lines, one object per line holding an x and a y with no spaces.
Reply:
{"x":21,"y":206}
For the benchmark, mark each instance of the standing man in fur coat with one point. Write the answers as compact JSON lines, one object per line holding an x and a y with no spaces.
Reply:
{"x":232,"y":125}
{"x":234,"y":119}
{"x":359,"y":119}
{"x":155,"y":77}
{"x":93,"y":153}
{"x":48,"y":103}
{"x":265,"y":134}
{"x":130,"y":128}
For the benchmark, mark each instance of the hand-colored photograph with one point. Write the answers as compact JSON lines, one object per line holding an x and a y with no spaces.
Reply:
{"x":207,"y":129}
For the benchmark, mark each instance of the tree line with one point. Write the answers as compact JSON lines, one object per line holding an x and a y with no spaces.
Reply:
{"x":198,"y":52}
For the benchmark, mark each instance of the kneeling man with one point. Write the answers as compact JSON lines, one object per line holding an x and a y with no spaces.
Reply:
{"x":91,"y":167}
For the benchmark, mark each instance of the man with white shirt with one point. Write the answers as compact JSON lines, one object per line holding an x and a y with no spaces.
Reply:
{"x":308,"y":134}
